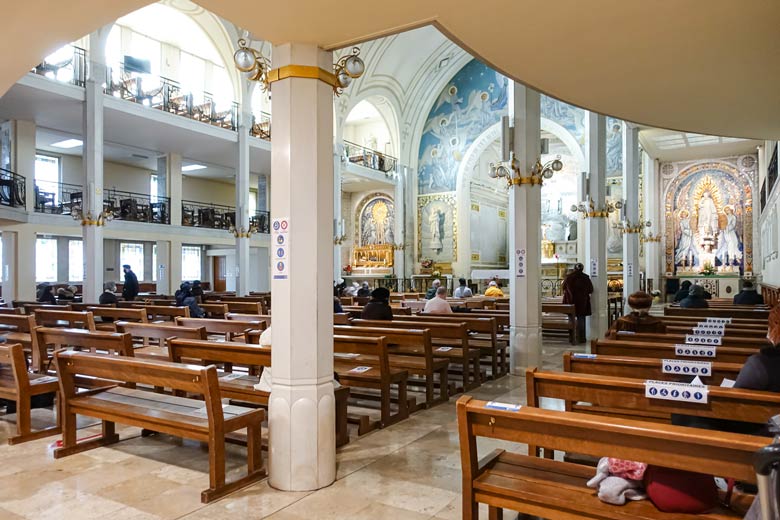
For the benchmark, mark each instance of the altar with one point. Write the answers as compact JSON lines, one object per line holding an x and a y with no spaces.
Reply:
{"x":720,"y":285}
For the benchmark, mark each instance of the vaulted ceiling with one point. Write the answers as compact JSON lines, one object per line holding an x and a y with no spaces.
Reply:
{"x":705,"y":67}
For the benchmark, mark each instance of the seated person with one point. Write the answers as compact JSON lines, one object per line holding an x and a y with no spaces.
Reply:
{"x":640,"y":320}
{"x":197,"y":291}
{"x":695,"y":298}
{"x":67,"y":293}
{"x":364,"y":290}
{"x":748,"y":295}
{"x":493,"y":291}
{"x":108,"y":295}
{"x":431,"y":292}
{"x":438,"y":304}
{"x":682,"y":293}
{"x":184,"y":298}
{"x":45,"y":295}
{"x":337,"y":306}
{"x":462,"y":290}
{"x":378,"y":307}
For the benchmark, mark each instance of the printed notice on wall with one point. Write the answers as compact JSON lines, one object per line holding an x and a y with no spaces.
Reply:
{"x":594,"y":267}
{"x":630,"y":269}
{"x":520,"y":259}
{"x":280,"y":243}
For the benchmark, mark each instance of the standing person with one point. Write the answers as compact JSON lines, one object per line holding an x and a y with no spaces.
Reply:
{"x":577,"y":289}
{"x":493,"y":291}
{"x":431,"y":292}
{"x":378,"y":307}
{"x":438,"y":304}
{"x":462,"y":291}
{"x":130,"y":289}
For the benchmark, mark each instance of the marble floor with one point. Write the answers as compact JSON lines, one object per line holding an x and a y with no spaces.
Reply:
{"x":410,"y":470}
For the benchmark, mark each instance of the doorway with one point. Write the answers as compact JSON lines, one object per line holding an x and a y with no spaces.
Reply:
{"x":220,"y":273}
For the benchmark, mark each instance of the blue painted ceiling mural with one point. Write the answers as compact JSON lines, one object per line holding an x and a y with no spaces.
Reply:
{"x":473,"y":101}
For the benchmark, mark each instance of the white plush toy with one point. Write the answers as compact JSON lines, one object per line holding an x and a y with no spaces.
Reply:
{"x":615,"y":490}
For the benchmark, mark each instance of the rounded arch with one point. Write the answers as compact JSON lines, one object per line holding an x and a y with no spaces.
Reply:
{"x":548,"y":125}
{"x":387,"y":116}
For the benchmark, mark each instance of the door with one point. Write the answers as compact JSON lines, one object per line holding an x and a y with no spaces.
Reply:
{"x":220,"y":273}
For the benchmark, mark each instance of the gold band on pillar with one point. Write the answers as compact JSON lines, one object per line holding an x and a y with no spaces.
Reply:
{"x":302,"y":71}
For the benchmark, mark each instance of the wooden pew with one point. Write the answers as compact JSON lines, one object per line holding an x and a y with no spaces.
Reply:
{"x":68,"y":319}
{"x":214,"y":310}
{"x":451,"y":341}
{"x":609,"y":347}
{"x":719,"y":312}
{"x":641,"y":368}
{"x":625,"y":397}
{"x":88,"y":306}
{"x":556,"y":489}
{"x":109,"y":315}
{"x":241,"y":387}
{"x":30,"y":308}
{"x":202,"y":420}
{"x":229,"y":330}
{"x":18,"y":328}
{"x":168,"y":313}
{"x":558,"y":317}
{"x":11,"y":310}
{"x":483,"y":335}
{"x":341,"y":318}
{"x":53,"y":339}
{"x":674,"y":339}
{"x":160,"y":333}
{"x":729,"y":332}
{"x":735,"y":322}
{"x":380,"y":376}
{"x":20,"y":386}
{"x":425,"y":366}
{"x":249,"y":317}
{"x":243,"y":307}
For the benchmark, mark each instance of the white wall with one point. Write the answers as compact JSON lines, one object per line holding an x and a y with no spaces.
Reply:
{"x":767,"y":257}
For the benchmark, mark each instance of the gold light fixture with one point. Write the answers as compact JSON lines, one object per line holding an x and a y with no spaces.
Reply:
{"x":650,"y":237}
{"x":398,"y":246}
{"x":588,"y":209}
{"x":348,"y":67}
{"x":242,"y":232}
{"x":515,"y":177}
{"x":339,"y":239}
{"x":90,"y":220}
{"x":251,"y":61}
{"x":627,"y":227}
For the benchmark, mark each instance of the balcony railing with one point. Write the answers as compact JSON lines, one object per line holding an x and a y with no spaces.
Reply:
{"x":12,"y":189}
{"x":261,"y":126}
{"x":261,"y":221}
{"x":64,"y":66}
{"x":167,"y":95}
{"x":56,"y":197}
{"x":137,"y":207}
{"x":214,"y":216}
{"x":370,"y":158}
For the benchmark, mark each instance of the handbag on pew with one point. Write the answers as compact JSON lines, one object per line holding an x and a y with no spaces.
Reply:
{"x":679,"y":491}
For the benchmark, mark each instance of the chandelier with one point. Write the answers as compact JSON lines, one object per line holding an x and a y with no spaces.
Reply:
{"x":510,"y":170}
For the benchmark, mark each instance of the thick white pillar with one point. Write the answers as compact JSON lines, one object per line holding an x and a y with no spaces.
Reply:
{"x":24,"y":158}
{"x":174,"y":181}
{"x":25,"y":265}
{"x":653,"y":253}
{"x":163,"y":268}
{"x":174,"y":271}
{"x":525,"y":214}
{"x":8,"y":265}
{"x":93,"y":176}
{"x":596,"y":228}
{"x":399,"y":231}
{"x":338,"y":229}
{"x":242,"y":201}
{"x":302,"y":444}
{"x":631,"y":211}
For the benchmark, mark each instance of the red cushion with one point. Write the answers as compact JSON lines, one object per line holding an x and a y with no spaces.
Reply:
{"x":677,"y":491}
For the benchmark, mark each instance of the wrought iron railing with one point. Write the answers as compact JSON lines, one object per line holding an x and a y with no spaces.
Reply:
{"x":137,"y":207}
{"x":72,"y":69}
{"x":261,"y":126}
{"x":261,"y":221}
{"x":167,"y":95}
{"x":56,"y":197}
{"x":551,"y":288}
{"x":370,"y":158}
{"x":12,"y":189}
{"x":214,"y":216}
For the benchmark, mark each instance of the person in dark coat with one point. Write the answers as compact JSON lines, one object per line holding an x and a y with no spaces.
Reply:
{"x":130,"y":289}
{"x":197,"y":291}
{"x":577,"y":289}
{"x":695,"y":298}
{"x":184,"y":298}
{"x":108,"y":296}
{"x":46,"y":295}
{"x":378,"y":307}
{"x":748,"y":295}
{"x":640,"y":320}
{"x":364,"y":290}
{"x":682,"y":293}
{"x":337,"y":308}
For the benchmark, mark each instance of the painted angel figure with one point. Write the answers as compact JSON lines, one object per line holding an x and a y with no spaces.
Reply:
{"x":685,"y":247}
{"x":730,"y":235}
{"x":434,"y":221}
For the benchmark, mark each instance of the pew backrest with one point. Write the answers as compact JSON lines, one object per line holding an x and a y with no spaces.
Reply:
{"x":159,"y":331}
{"x":170,"y":312}
{"x":92,"y":341}
{"x":230,"y":329}
{"x":72,"y":319}
{"x":368,"y":346}
{"x":219,"y":352}
{"x":666,"y":351}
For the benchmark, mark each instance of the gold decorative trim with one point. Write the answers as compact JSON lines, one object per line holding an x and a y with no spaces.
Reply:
{"x":302,"y":71}
{"x":598,"y":214}
{"x":532,"y":180}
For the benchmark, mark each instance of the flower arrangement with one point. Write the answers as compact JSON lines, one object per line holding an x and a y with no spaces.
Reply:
{"x":436,"y":274}
{"x":347,"y":269}
{"x":426,"y":263}
{"x":707,"y":269}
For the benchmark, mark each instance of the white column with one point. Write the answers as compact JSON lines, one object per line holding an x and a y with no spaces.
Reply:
{"x":24,"y":158}
{"x":25,"y":265}
{"x":596,"y":228}
{"x":163,"y":268}
{"x":242,"y":201}
{"x":302,"y":448}
{"x":93,"y":176}
{"x":631,"y":210}
{"x":525,"y":213}
{"x":653,"y":253}
{"x":8,"y":264}
{"x":338,"y":229}
{"x":399,"y":231}
{"x":174,"y":180}
{"x":174,"y":271}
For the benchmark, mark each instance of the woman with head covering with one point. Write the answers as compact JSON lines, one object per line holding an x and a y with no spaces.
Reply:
{"x":46,"y":295}
{"x":378,"y":307}
{"x":640,"y":320}
{"x":682,"y":293}
{"x":695,"y":298}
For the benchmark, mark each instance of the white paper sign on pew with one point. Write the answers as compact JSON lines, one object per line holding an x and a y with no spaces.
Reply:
{"x":706,"y":331}
{"x":695,"y":339}
{"x":724,"y":321}
{"x":686,"y":368}
{"x":695,"y":351}
{"x":711,"y":325}
{"x":676,"y":391}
